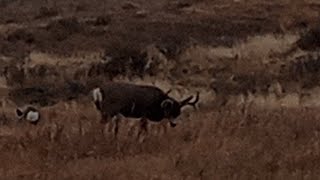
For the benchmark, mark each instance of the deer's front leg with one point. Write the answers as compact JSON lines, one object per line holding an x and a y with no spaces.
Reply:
{"x":143,"y":127}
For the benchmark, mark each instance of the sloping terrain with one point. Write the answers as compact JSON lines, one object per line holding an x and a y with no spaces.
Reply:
{"x":254,"y":62}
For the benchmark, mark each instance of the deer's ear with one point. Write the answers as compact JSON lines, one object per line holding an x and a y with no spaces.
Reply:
{"x":167,"y":104}
{"x":19,"y":112}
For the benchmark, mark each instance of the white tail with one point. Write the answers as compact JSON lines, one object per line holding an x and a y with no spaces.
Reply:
{"x":97,"y":95}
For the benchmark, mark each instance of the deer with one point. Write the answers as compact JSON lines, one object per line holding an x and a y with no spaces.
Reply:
{"x":145,"y":102}
{"x":28,"y":113}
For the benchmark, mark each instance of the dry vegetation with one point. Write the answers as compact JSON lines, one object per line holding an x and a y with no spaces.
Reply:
{"x":254,"y":62}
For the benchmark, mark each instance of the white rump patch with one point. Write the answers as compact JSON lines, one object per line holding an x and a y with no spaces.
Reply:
{"x":32,"y":116}
{"x":97,"y":95}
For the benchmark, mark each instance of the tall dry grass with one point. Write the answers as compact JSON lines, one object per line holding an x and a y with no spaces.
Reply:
{"x":210,"y":143}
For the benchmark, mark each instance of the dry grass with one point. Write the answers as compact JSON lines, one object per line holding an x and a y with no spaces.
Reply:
{"x":257,"y":118}
{"x":207,"y":144}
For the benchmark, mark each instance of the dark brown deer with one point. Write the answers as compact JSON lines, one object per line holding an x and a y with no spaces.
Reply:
{"x":138,"y":101}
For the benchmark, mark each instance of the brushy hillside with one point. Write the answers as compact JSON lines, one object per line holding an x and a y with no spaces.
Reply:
{"x":254,"y":62}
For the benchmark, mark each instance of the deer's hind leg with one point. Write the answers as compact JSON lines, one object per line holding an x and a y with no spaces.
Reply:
{"x":106,"y":121}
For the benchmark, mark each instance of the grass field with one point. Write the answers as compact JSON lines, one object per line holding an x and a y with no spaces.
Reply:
{"x":254,"y":62}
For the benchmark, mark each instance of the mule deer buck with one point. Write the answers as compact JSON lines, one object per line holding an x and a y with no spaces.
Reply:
{"x":138,"y":101}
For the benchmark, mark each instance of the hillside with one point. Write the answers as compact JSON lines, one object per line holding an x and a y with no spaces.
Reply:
{"x":255,"y":63}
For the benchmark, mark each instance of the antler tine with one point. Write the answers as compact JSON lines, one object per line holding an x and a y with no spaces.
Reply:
{"x":169,"y":91}
{"x":193,"y":104}
{"x":186,"y":101}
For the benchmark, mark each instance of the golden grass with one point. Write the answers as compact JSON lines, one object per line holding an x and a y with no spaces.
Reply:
{"x":262,"y":135}
{"x":208,"y":144}
{"x":37,"y":58}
